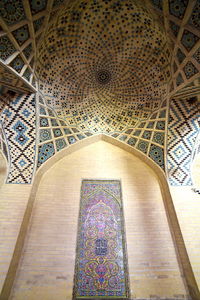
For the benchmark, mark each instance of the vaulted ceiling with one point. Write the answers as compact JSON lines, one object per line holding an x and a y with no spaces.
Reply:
{"x":116,"y":31}
{"x":98,"y":66}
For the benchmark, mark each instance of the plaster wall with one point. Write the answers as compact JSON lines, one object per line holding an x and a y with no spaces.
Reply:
{"x":187,"y":206}
{"x":13,"y":202}
{"x":47,"y":265}
{"x":3,"y":169}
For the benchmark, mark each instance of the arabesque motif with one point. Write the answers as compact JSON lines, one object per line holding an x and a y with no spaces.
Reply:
{"x":101,"y":266}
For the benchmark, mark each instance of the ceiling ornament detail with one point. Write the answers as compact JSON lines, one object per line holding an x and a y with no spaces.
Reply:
{"x":22,"y":26}
{"x":184,"y":124}
{"x":104,"y":64}
{"x":103,"y":67}
{"x":182,"y":18}
{"x":146,"y":136}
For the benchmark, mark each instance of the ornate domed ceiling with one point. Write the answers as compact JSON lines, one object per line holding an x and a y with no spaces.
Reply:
{"x":107,"y":59}
{"x":99,"y":66}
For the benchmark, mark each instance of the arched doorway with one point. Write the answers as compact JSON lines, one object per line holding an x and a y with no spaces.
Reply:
{"x":47,"y":264}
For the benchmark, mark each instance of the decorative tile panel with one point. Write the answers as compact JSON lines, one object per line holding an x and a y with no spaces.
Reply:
{"x":17,"y":64}
{"x":18,"y":122}
{"x":197,"y":55}
{"x":190,"y":70}
{"x":6,"y":48}
{"x":189,"y":39}
{"x":45,"y":151}
{"x":21,"y":34}
{"x":37,"y":6}
{"x":12,"y":11}
{"x":101,"y":263}
{"x":156,"y":153}
{"x":195,"y":19}
{"x":177,"y":8}
{"x":184,"y":125}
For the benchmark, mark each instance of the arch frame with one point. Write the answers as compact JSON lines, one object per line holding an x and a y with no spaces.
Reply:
{"x":181,"y":252}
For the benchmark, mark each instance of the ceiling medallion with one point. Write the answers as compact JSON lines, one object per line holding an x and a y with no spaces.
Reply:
{"x":103,"y":76}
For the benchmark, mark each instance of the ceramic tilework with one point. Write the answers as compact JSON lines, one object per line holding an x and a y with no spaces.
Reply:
{"x":174,"y":28}
{"x":101,"y":197}
{"x":27,"y":74}
{"x":17,"y":64}
{"x":18,"y":122}
{"x":57,"y":2}
{"x":45,"y":151}
{"x":60,"y":144}
{"x":180,"y":56}
{"x":158,"y":138}
{"x":146,"y":134}
{"x":8,"y":78}
{"x":190,"y":70}
{"x":12,"y":11}
{"x":57,"y":132}
{"x":6,"y":48}
{"x":177,"y":8}
{"x":37,"y":24}
{"x":98,"y":106}
{"x":183,"y":43}
{"x":37,"y":6}
{"x":194,"y":19}
{"x":142,"y":146}
{"x":137,"y":136}
{"x":158,"y":4}
{"x":189,"y":39}
{"x":197,"y":55}
{"x":21,"y":34}
{"x":183,"y":129}
{"x":127,"y":118}
{"x":45,"y":135}
{"x":27,"y":51}
{"x":156,"y":153}
{"x":179,"y":79}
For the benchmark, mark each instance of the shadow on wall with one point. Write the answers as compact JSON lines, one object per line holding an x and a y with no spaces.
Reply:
{"x":196,"y":172}
{"x":3,"y":169}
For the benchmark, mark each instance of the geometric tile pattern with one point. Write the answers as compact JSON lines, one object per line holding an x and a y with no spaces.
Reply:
{"x":185,"y":36}
{"x":17,"y":64}
{"x":119,"y":103}
{"x":18,"y":123}
{"x":177,"y":8}
{"x":183,"y":128}
{"x":12,"y":12}
{"x":189,"y":39}
{"x":6,"y":48}
{"x":8,"y":79}
{"x":100,"y":89}
{"x":197,"y":55}
{"x":22,"y":26}
{"x":194,"y":19}
{"x":21,"y":34}
{"x":55,"y":133}
{"x":190,"y":70}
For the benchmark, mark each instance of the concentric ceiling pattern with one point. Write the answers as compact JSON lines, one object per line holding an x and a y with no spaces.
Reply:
{"x":103,"y":60}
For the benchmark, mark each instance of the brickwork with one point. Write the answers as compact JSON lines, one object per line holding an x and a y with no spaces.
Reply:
{"x":47,"y":264}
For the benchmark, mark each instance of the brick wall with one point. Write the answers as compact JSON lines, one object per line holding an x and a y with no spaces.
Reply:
{"x":47,"y":264}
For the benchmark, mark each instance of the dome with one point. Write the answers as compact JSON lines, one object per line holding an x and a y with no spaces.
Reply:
{"x":107,"y":59}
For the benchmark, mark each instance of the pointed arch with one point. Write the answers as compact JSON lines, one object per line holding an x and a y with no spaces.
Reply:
{"x":182,"y":256}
